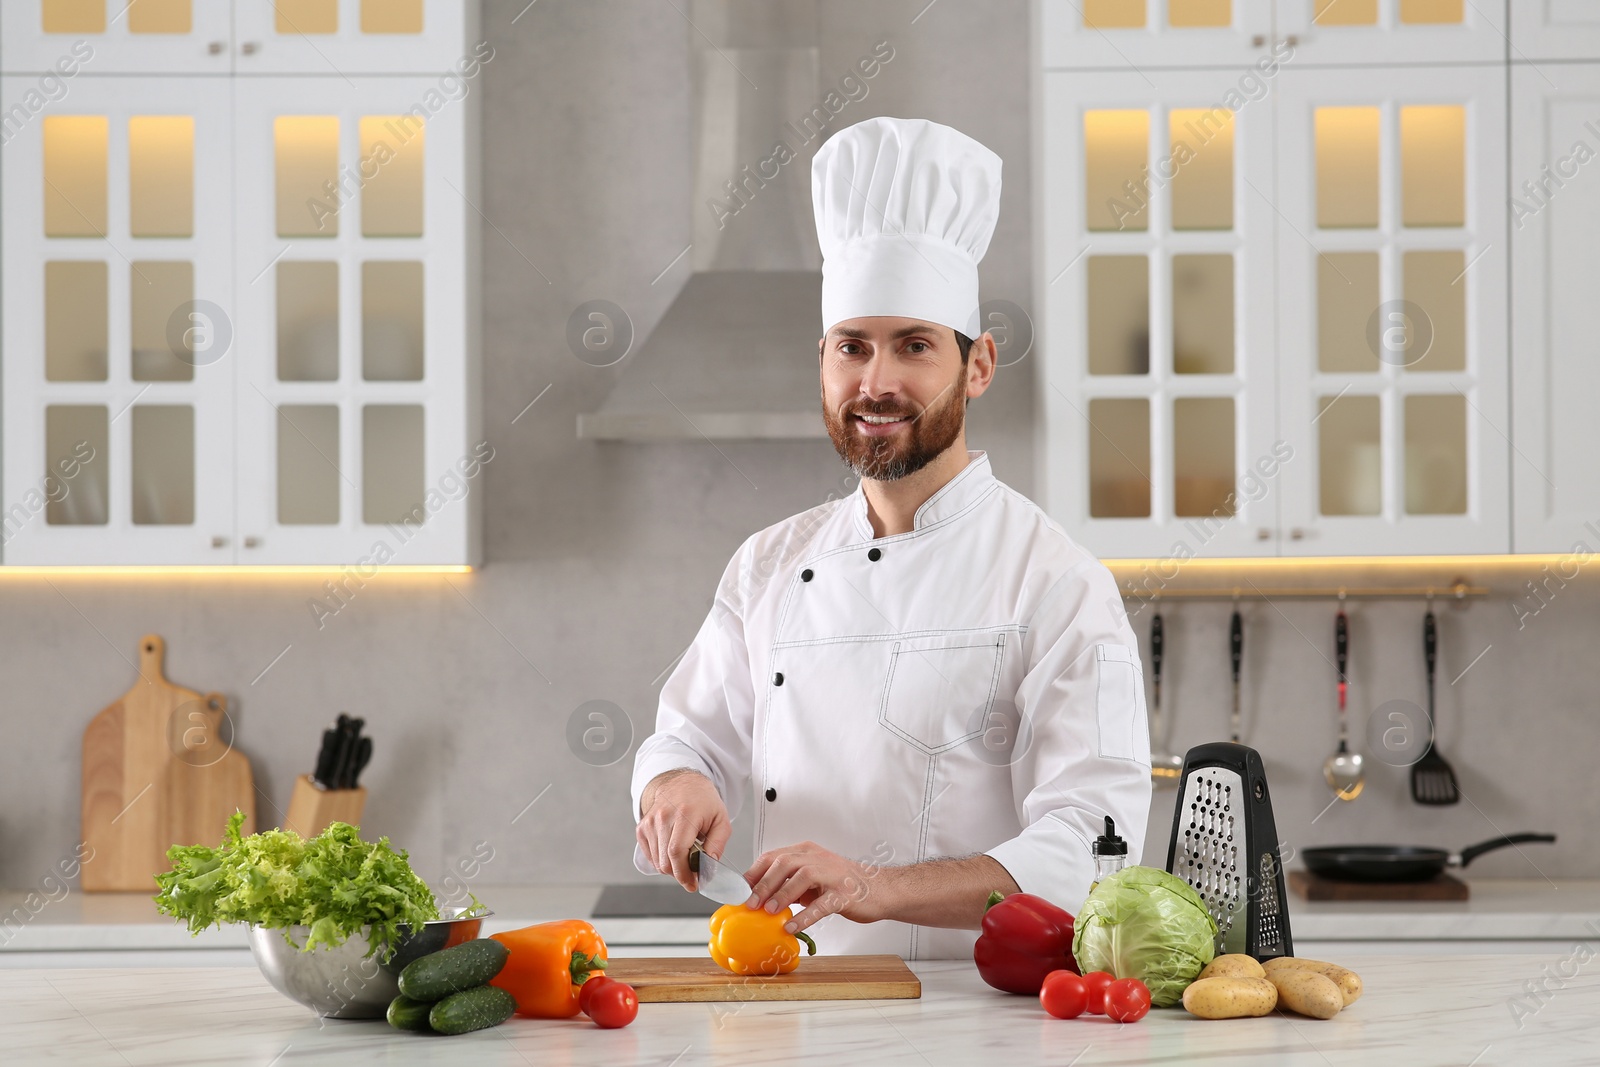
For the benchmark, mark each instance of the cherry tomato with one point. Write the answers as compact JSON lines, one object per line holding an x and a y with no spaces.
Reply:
{"x":589,"y":988}
{"x":1095,"y":983}
{"x":613,"y":1004}
{"x":1127,"y":1000}
{"x":1063,"y":994}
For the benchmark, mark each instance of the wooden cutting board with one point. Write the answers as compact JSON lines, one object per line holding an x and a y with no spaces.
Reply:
{"x":697,"y":979}
{"x":1315,"y":887}
{"x":159,"y":769}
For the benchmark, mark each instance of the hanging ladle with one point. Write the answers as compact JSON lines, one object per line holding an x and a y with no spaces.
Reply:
{"x":1343,"y":769}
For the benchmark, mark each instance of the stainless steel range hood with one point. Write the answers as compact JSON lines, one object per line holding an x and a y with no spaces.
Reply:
{"x":735,"y":355}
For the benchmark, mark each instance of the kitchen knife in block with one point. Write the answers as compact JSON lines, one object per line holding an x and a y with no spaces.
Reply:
{"x":1225,"y":845}
{"x":158,"y":770}
{"x":311,"y":808}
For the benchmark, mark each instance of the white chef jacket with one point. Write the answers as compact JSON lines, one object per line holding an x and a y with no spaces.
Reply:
{"x":970,"y":686}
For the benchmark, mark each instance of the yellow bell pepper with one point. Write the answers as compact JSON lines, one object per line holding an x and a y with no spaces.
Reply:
{"x":752,"y":941}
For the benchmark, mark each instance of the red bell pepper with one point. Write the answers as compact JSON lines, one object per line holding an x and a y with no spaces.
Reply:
{"x":1024,"y":938}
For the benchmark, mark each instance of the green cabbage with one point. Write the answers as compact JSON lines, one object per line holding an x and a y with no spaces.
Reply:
{"x":1144,"y":923}
{"x":334,"y":883}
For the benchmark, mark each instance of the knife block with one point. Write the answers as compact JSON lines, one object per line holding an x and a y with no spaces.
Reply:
{"x":312,"y":808}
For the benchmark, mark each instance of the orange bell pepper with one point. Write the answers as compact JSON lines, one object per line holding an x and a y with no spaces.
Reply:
{"x":548,"y":962}
{"x":752,"y":941}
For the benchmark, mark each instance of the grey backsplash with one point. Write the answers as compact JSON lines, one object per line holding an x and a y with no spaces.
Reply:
{"x":602,"y":557}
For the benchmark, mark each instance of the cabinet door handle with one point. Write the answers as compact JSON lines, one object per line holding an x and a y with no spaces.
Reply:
{"x":1263,"y":534}
{"x":250,"y":48}
{"x":1293,"y":40}
{"x":218,"y":541}
{"x":1297,"y":534}
{"x":252,"y":542}
{"x":1258,"y":41}
{"x":215,"y":48}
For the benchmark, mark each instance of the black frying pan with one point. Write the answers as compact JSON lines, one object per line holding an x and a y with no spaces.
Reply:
{"x":1399,"y":863}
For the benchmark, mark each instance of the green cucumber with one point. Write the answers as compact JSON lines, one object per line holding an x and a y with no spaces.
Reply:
{"x":472,"y":1009}
{"x":438,"y":974}
{"x":408,"y":1014}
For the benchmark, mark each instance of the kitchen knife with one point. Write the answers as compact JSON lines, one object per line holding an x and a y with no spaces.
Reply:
{"x":721,"y":883}
{"x":344,"y":745}
{"x":346,"y":772}
{"x":359,"y":763}
{"x":323,"y":775}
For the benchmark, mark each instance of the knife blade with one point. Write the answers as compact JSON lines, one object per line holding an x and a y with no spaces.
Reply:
{"x":721,"y":883}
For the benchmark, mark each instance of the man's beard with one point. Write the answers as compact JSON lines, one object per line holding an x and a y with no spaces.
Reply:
{"x":885,"y":459}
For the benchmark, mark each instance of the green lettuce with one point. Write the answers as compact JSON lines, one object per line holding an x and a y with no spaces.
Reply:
{"x":1144,"y":923}
{"x":335,"y":883}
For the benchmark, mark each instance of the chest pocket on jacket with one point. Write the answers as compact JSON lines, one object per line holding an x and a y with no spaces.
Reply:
{"x":939,"y":689}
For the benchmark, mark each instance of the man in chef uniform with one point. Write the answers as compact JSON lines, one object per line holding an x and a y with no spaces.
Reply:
{"x":927,"y":689}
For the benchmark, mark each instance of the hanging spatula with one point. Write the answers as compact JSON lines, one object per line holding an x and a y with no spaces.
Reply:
{"x":1432,"y":779}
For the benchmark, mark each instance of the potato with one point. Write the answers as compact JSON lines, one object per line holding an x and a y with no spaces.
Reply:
{"x":1349,"y":982}
{"x":1230,"y":998}
{"x":1233,"y":965}
{"x":1307,"y":992}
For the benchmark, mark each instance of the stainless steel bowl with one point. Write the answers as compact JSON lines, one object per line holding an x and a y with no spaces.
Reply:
{"x":345,"y":982}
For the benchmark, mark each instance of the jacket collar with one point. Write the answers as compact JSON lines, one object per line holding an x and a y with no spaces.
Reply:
{"x":966,"y":488}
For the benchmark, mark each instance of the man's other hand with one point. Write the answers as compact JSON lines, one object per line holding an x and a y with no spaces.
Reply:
{"x":681,"y":807}
{"x":826,"y":883}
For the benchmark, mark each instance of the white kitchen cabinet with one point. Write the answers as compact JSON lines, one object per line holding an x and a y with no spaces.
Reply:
{"x":1404,"y":33}
{"x":1131,"y":35}
{"x":1370,"y":380}
{"x":343,"y":37}
{"x":352,"y":313}
{"x":1155,"y":283}
{"x":1554,"y":29}
{"x":1555,"y":251}
{"x":1391,"y":315}
{"x":239,"y":320}
{"x":1138,"y":35}
{"x":332,"y":37}
{"x":117,"y":37}
{"x":118,"y":246}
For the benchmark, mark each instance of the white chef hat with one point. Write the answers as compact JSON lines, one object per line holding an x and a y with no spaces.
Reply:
{"x":905,"y":209}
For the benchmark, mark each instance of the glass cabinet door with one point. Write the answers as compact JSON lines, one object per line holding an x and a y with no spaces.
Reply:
{"x":1392,"y":321}
{"x":118,"y":326}
{"x":352,"y":216}
{"x":341,"y":37}
{"x":1124,"y":34}
{"x":69,"y":37}
{"x":1403,"y":32}
{"x":1156,"y":287}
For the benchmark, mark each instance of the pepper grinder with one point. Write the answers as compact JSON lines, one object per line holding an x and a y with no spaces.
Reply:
{"x":1110,"y":853}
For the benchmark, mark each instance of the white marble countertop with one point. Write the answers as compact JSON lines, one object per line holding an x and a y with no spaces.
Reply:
{"x":1506,"y":910}
{"x":1418,"y":1010}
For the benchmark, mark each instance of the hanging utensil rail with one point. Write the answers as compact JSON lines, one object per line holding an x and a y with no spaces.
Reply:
{"x":1455,"y":591}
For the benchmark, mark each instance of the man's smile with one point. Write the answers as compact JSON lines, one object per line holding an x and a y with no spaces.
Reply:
{"x":880,"y":425}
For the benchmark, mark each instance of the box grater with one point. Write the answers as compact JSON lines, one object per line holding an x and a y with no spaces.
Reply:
{"x":1225,"y":845}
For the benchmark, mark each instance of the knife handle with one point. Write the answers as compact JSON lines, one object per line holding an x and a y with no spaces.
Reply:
{"x":324,"y":772}
{"x":1341,"y":644}
{"x":1236,"y":643}
{"x":1158,"y":642}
